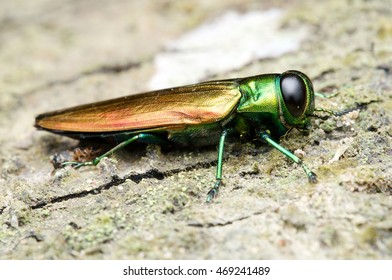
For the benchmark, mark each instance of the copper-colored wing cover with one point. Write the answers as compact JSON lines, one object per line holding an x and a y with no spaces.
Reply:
{"x":174,"y":108}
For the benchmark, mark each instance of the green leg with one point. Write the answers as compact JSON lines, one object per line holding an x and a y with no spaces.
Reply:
{"x":214,"y":191}
{"x":311,"y":176}
{"x":142,"y":137}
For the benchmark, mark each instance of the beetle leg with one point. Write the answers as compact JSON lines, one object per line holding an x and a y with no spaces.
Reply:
{"x":311,"y":175}
{"x":214,"y":191}
{"x":142,"y":137}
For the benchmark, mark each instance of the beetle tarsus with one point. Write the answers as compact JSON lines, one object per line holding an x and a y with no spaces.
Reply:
{"x":214,"y":191}
{"x":312,"y":177}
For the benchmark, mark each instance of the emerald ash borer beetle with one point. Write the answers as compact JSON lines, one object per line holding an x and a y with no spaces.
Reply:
{"x":260,"y":107}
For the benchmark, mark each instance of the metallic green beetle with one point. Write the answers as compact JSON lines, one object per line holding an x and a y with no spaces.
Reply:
{"x":264,"y":107}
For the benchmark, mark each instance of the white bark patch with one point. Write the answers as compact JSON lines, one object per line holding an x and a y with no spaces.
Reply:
{"x":225,"y":44}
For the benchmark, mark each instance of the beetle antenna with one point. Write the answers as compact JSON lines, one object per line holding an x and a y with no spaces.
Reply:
{"x":323,"y":95}
{"x":330,"y":112}
{"x":358,"y":106}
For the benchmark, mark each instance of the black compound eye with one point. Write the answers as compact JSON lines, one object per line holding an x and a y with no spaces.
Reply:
{"x":294,"y":93}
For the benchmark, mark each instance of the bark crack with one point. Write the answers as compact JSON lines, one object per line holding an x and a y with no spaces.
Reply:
{"x":115,"y":181}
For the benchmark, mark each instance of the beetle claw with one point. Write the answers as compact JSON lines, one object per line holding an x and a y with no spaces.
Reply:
{"x":214,"y":191}
{"x":312,"y":178}
{"x":212,"y":194}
